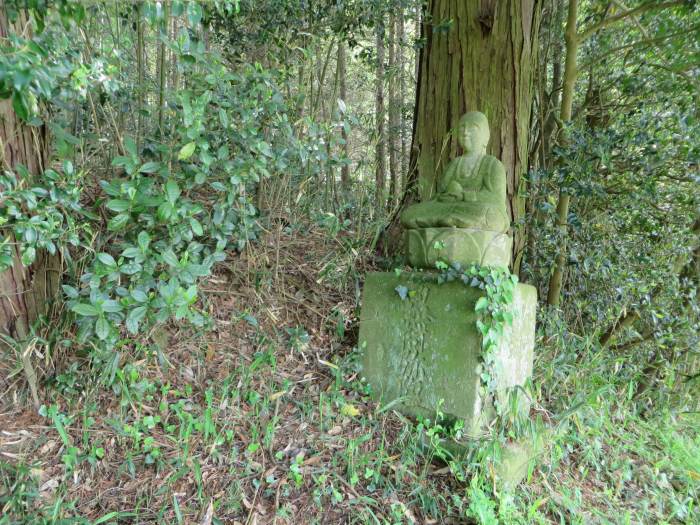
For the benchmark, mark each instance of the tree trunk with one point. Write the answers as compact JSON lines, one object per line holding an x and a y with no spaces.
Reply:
{"x":380,"y":174}
{"x":343,"y":80}
{"x":485,"y":60}
{"x":140,"y":73}
{"x":400,"y":58}
{"x":25,"y":293}
{"x":567,"y":100}
{"x":393,"y":118}
{"x":554,"y":101}
{"x":161,"y":70}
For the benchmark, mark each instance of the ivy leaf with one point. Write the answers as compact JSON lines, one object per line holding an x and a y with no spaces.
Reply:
{"x":481,"y":304}
{"x":186,"y":151}
{"x":402,"y":291}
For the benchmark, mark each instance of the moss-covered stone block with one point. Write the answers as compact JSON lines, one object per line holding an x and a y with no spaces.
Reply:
{"x":424,"y":349}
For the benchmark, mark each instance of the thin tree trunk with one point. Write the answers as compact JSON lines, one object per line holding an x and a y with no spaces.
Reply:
{"x":393,"y":118}
{"x":419,"y":34}
{"x":173,"y":59}
{"x":567,"y":102}
{"x":400,"y":58}
{"x":550,"y":122}
{"x":342,"y":76}
{"x":139,"y":72}
{"x":161,"y":70}
{"x":25,"y":293}
{"x":380,"y":173}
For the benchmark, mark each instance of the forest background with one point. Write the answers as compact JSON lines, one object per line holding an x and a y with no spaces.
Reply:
{"x":192,"y":192}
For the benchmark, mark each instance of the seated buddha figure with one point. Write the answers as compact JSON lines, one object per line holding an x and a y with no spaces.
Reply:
{"x":471,"y":192}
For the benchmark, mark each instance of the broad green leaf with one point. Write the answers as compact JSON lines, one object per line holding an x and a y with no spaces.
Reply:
{"x":118,"y":205}
{"x":85,"y":310}
{"x":186,"y":151}
{"x":131,"y":252}
{"x":144,"y":240}
{"x":150,"y":167}
{"x":28,"y":255}
{"x":139,"y":296}
{"x":170,"y":258}
{"x":165,"y":211}
{"x":134,"y":318}
{"x":130,"y":146}
{"x":102,"y":328}
{"x":196,"y":226}
{"x":19,"y":104}
{"x":70,"y":291}
{"x":173,"y":191}
{"x":112,"y":306}
{"x":118,"y":222}
{"x":106,"y":259}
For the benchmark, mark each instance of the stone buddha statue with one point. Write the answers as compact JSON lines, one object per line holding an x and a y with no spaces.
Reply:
{"x":466,"y":221}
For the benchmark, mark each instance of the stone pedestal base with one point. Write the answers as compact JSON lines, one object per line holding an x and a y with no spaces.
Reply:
{"x":511,"y":467}
{"x":425,"y":246}
{"x":425,"y":349}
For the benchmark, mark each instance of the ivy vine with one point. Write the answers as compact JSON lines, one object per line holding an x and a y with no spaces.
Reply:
{"x":494,"y":311}
{"x":495,"y":314}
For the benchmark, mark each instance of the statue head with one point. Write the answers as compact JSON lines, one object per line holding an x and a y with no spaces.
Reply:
{"x":473,"y":132}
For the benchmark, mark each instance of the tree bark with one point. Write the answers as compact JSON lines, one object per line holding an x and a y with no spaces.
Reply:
{"x":343,"y":80}
{"x":25,"y":293}
{"x":161,"y":69}
{"x":567,"y":100}
{"x":477,"y":56}
{"x":140,"y":75}
{"x":400,"y":58}
{"x":393,"y":118}
{"x":380,"y":173}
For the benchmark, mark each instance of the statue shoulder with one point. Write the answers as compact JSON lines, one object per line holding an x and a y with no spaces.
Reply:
{"x":493,"y":166}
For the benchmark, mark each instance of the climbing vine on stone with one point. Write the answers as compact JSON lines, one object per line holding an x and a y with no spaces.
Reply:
{"x":494,"y":311}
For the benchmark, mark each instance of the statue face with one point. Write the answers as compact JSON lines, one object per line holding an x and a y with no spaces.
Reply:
{"x":473,"y":136}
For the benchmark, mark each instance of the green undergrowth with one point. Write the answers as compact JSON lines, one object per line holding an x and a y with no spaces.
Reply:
{"x":257,"y":421}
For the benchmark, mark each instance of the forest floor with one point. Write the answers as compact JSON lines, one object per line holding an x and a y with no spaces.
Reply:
{"x":263,"y":419}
